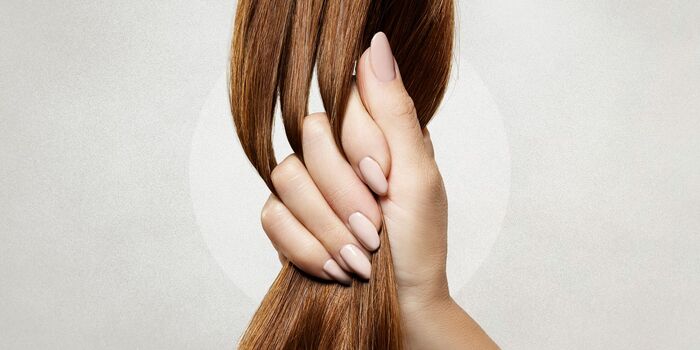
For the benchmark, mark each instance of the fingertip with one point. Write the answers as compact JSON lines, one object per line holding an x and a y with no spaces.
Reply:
{"x":365,"y":231}
{"x":313,"y":267}
{"x":357,"y":260}
{"x":335,"y":272}
{"x":373,"y":176}
{"x":381,"y":58}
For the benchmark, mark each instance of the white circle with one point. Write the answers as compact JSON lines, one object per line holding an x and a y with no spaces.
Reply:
{"x":471,"y":149}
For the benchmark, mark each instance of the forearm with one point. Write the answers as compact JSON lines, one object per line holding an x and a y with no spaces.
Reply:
{"x":444,"y":325}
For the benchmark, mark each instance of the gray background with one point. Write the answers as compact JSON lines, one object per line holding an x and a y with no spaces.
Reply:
{"x":99,"y":247}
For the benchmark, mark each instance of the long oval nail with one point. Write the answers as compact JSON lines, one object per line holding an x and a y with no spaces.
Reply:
{"x":373,"y":175}
{"x":333,"y":269}
{"x":381,"y":58}
{"x":364,"y":230}
{"x":357,"y":261}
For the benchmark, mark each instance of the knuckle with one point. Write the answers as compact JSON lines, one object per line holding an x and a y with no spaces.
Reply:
{"x":315,"y":126}
{"x":319,"y":115}
{"x":329,"y":232}
{"x":404,"y":112}
{"x":340,"y":196}
{"x":271,"y":214}
{"x":404,"y":106}
{"x":333,"y":234}
{"x":286,"y":171}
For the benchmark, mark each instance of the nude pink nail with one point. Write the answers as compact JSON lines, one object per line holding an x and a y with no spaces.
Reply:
{"x":364,"y":230}
{"x":333,"y":269}
{"x":373,"y":175}
{"x":357,"y":261}
{"x":381,"y":59}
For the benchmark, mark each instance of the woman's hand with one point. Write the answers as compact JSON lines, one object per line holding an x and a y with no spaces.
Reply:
{"x":325,"y":220}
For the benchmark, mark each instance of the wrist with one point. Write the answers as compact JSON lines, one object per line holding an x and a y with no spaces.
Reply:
{"x":442,"y":324}
{"x":416,"y":303}
{"x":422,"y":318}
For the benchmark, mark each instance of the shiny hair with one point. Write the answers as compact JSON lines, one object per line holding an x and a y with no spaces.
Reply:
{"x":276,"y":46}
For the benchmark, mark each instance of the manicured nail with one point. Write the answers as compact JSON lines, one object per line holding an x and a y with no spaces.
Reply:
{"x":373,"y":175}
{"x":364,"y":231}
{"x":333,"y":269}
{"x":357,"y":261}
{"x":381,"y":58}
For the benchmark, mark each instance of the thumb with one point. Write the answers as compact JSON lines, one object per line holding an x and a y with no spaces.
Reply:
{"x":387,"y":101}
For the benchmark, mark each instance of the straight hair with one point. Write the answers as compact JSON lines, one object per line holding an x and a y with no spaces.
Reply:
{"x":276,"y":46}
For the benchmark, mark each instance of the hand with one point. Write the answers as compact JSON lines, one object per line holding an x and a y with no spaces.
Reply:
{"x":325,"y":220}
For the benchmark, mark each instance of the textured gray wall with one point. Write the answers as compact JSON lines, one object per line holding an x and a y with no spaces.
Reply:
{"x":101,"y":245}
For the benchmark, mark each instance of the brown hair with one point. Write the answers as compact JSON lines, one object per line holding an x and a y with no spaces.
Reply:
{"x":276,"y":45}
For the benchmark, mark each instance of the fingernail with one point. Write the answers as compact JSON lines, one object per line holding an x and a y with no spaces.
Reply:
{"x":373,"y":175}
{"x":333,"y":269}
{"x":381,"y":58}
{"x":364,"y":231}
{"x":356,"y":260}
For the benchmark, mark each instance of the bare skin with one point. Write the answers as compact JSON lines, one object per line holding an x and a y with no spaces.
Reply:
{"x":314,"y":222}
